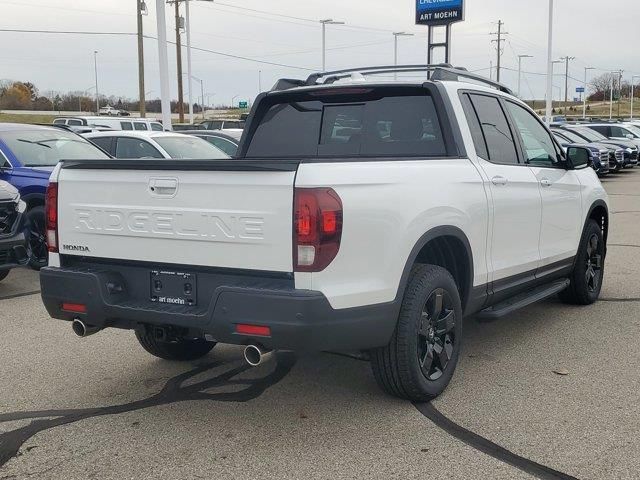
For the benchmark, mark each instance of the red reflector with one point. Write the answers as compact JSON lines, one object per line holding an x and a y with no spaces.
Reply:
{"x":259,"y":330}
{"x":74,"y":307}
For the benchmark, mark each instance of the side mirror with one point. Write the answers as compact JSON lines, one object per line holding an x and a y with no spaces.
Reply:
{"x":579,"y":158}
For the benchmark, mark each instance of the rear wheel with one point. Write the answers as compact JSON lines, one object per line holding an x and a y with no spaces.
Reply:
{"x":181,"y":349}
{"x":420,"y":359}
{"x":3,"y":274}
{"x":39,"y":255}
{"x":586,"y":278}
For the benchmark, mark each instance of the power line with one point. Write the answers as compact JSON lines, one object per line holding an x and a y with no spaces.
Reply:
{"x":71,"y":32}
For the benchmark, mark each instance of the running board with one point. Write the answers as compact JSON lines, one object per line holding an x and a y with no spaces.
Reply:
{"x":523,"y":300}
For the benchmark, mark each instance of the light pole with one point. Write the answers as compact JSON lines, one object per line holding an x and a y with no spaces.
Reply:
{"x":259,"y":82}
{"x":233,"y":101}
{"x":164,"y":64}
{"x":633,"y":79}
{"x":549,"y":107}
{"x":141,"y":10}
{"x":95,"y":68}
{"x":584,"y":101}
{"x":328,"y":21}
{"x":617,"y":72}
{"x":553,"y":63}
{"x":520,"y":57}
{"x":395,"y":49}
{"x":566,"y":78}
{"x":201,"y":92}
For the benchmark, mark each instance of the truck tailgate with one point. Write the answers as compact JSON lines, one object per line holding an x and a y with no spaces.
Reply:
{"x":208,"y":218}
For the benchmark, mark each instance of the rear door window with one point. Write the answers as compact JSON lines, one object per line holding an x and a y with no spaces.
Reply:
{"x":126,"y":125}
{"x":136,"y":148}
{"x":374,"y":125}
{"x":105,"y":143}
{"x":603,"y":130}
{"x":495,"y":128}
{"x":140,"y":126}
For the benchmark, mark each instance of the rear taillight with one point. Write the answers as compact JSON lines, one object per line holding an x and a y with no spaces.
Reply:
{"x":51,"y":219}
{"x":317,"y":228}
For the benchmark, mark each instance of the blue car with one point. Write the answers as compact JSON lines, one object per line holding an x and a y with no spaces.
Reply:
{"x":28,"y":154}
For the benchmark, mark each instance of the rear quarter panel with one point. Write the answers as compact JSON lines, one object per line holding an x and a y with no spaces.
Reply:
{"x":388,"y":206}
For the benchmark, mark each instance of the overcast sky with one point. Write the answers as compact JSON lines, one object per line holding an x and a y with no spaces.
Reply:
{"x":602,"y":34}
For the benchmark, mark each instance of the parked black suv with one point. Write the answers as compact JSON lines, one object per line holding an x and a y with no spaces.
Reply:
{"x":583,"y":130}
{"x":13,"y":234}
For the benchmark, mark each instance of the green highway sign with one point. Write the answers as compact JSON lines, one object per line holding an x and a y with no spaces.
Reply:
{"x":243,"y":104}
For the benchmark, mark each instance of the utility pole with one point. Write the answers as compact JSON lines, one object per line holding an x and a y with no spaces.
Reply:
{"x":490,"y":69}
{"x":259,"y":82}
{"x":499,"y":33}
{"x":142,"y":9}
{"x":328,"y":21}
{"x":620,"y":89}
{"x":567,"y":59}
{"x":164,"y":64}
{"x":179,"y":63}
{"x":520,"y":57}
{"x":95,"y":67}
{"x":549,"y":106}
{"x":584,"y":101}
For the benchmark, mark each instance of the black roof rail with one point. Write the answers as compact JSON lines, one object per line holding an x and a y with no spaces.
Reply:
{"x":440,"y":72}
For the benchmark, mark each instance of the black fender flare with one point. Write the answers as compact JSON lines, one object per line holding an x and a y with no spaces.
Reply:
{"x":436,"y":232}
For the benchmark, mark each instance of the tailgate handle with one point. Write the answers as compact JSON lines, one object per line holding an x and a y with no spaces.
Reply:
{"x":163,"y":186}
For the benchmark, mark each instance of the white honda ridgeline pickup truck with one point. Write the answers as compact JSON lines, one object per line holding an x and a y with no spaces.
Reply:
{"x":361,"y":214}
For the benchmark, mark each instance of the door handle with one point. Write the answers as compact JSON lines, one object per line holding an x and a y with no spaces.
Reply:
{"x":163,"y":186}
{"x":545,"y":182}
{"x":499,"y":180}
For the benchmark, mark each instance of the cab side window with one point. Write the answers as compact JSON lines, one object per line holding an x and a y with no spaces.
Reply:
{"x":501,"y":147}
{"x":126,"y":125}
{"x":539,"y":148}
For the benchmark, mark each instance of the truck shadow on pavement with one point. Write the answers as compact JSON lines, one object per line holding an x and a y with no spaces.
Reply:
{"x":173,"y":391}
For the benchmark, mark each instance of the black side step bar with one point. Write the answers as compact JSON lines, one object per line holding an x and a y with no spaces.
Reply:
{"x":523,"y":300}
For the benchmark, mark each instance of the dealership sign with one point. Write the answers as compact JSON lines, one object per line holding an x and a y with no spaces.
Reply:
{"x":439,"y":12}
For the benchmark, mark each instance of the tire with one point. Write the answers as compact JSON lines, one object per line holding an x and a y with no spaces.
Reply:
{"x":3,"y":274}
{"x":588,"y":272}
{"x":410,"y":366}
{"x":180,"y":350}
{"x":39,"y":255}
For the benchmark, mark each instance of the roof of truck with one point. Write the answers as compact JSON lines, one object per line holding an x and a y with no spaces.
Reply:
{"x":132,"y":134}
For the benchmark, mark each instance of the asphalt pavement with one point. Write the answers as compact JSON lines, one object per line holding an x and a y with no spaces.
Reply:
{"x":551,"y":392}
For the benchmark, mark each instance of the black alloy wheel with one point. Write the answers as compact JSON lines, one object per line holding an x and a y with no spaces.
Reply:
{"x":436,"y":336}
{"x":39,"y":254}
{"x":593,"y":274}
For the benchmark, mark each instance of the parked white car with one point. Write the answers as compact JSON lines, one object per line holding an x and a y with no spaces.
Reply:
{"x":109,"y":110}
{"x":130,"y":123}
{"x":154,"y":145}
{"x":359,"y":215}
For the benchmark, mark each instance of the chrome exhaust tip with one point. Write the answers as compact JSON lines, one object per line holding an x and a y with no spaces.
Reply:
{"x":256,"y":355}
{"x":83,"y":330}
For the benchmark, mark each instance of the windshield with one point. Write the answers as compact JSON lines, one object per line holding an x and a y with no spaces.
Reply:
{"x":190,"y":147}
{"x":45,"y":148}
{"x":571,"y":136}
{"x":589,"y":134}
{"x":633,"y":129}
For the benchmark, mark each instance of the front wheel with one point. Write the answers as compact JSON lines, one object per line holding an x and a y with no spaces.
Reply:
{"x":182,"y":349}
{"x":420,"y":359}
{"x":588,"y":272}
{"x":39,"y":254}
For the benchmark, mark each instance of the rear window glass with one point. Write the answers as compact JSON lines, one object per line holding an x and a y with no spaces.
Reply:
{"x":190,"y":147}
{"x":387,"y":126}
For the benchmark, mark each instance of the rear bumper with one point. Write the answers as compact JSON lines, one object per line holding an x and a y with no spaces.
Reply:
{"x":298,"y":319}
